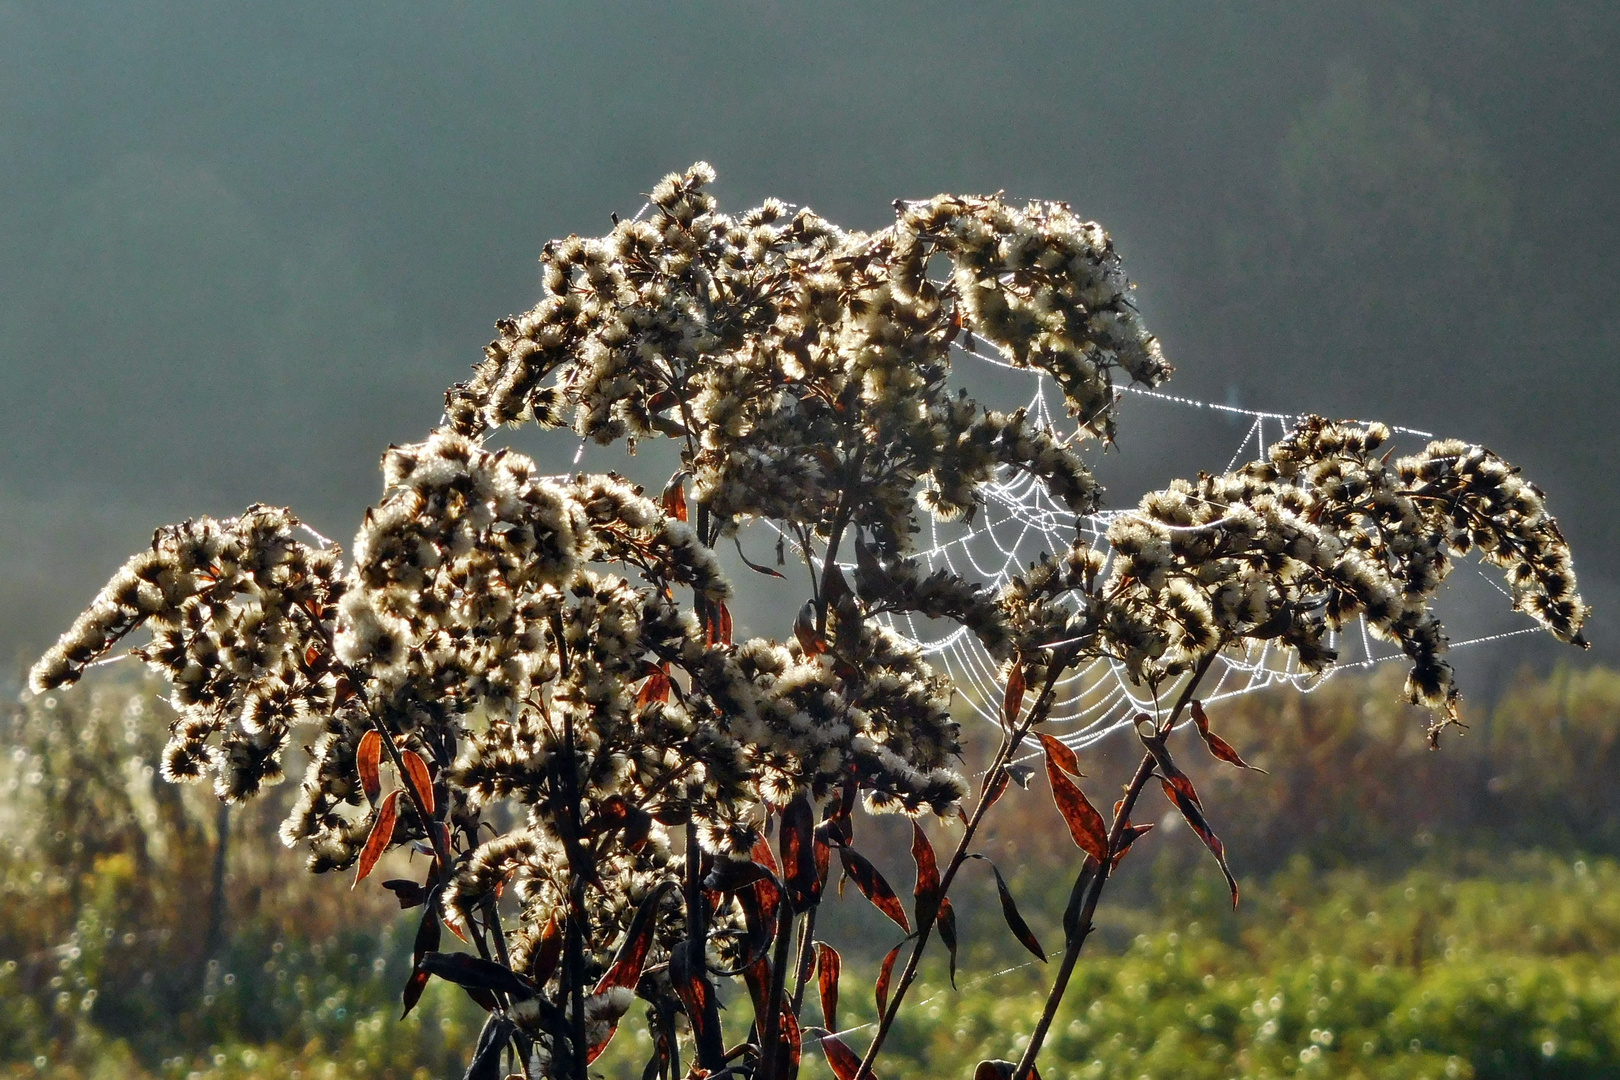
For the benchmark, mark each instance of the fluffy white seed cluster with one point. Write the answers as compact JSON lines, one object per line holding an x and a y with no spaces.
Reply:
{"x":456,"y":573}
{"x":1326,"y":530}
{"x":800,"y":363}
{"x":235,"y":609}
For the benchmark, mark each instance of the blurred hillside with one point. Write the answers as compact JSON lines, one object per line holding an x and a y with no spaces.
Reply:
{"x":242,"y":250}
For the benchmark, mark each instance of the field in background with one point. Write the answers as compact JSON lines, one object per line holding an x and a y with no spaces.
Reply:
{"x":1406,"y":913}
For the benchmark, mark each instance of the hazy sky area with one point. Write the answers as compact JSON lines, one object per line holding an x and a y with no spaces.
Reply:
{"x":245,"y":247}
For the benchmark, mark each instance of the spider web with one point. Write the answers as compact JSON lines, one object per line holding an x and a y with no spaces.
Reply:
{"x":1020,"y":520}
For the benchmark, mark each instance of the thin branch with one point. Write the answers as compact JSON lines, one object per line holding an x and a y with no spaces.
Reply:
{"x":1088,"y":886}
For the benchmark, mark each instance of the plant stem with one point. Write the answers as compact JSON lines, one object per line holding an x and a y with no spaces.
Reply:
{"x":1088,"y":886}
{"x":772,"y":1020}
{"x":1009,"y":747}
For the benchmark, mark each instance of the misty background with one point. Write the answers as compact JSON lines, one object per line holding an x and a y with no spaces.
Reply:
{"x":242,"y":249}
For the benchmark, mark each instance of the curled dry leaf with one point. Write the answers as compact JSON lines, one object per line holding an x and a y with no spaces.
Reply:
{"x":368,"y":762}
{"x":843,"y":1061}
{"x":382,"y":831}
{"x":926,"y":893}
{"x":416,"y":774}
{"x":1217,"y":745}
{"x":1009,"y":911}
{"x":874,"y":887}
{"x":1059,"y":751}
{"x":1085,"y":824}
{"x":828,"y":966}
{"x":1012,"y":702}
{"x":880,"y":989}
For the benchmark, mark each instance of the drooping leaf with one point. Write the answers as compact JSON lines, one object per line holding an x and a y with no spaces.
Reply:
{"x":1001,"y":1070}
{"x":632,"y":954}
{"x":414,"y":986}
{"x":993,"y":791}
{"x":754,"y":566}
{"x":368,"y":762}
{"x":804,"y":628}
{"x":1059,"y":751}
{"x":734,"y":875}
{"x":1217,"y":745}
{"x":476,"y":973}
{"x":1129,"y":836}
{"x":828,"y":966}
{"x":698,"y":999}
{"x":595,"y":1050}
{"x":1012,"y":701}
{"x":880,"y":989}
{"x":722,"y":623}
{"x":416,"y":774}
{"x":382,"y":831}
{"x":759,"y":902}
{"x":789,"y":1045}
{"x":946,"y":920}
{"x":1021,"y":774}
{"x":407,"y":892}
{"x":797,"y":840}
{"x":1085,"y":824}
{"x":427,"y":940}
{"x":926,"y":892}
{"x":843,"y":1061}
{"x":1186,"y":800}
{"x":543,"y":960}
{"x":873,"y":886}
{"x":1009,"y":911}
{"x":486,"y":1062}
{"x":655,"y":688}
{"x":674,"y":498}
{"x":762,"y":853}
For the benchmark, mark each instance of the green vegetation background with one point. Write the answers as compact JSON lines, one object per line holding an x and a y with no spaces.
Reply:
{"x":1406,"y":913}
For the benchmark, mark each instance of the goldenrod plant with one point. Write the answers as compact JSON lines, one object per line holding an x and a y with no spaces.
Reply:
{"x":533,"y":679}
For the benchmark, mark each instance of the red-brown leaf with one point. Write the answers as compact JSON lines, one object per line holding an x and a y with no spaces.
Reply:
{"x":1001,"y":1070}
{"x":874,"y":887}
{"x":699,"y":1001}
{"x":946,"y":921}
{"x":547,"y":953}
{"x":927,"y":889}
{"x":995,"y":791}
{"x":416,"y":774}
{"x":382,"y":831}
{"x":1186,"y":801}
{"x":1217,"y":745}
{"x":1009,"y":911}
{"x":413,"y":990}
{"x":828,"y":966}
{"x":1128,"y":837}
{"x":723,"y":621}
{"x":1012,"y":702}
{"x":1059,"y":751}
{"x":881,"y":989}
{"x":427,"y":940}
{"x":797,"y":840}
{"x":804,"y":628}
{"x":790,"y":1044}
{"x":632,"y":954}
{"x":367,"y":762}
{"x":840,"y":1058}
{"x":675,"y":497}
{"x":761,"y":853}
{"x":655,"y":688}
{"x":1085,"y":824}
